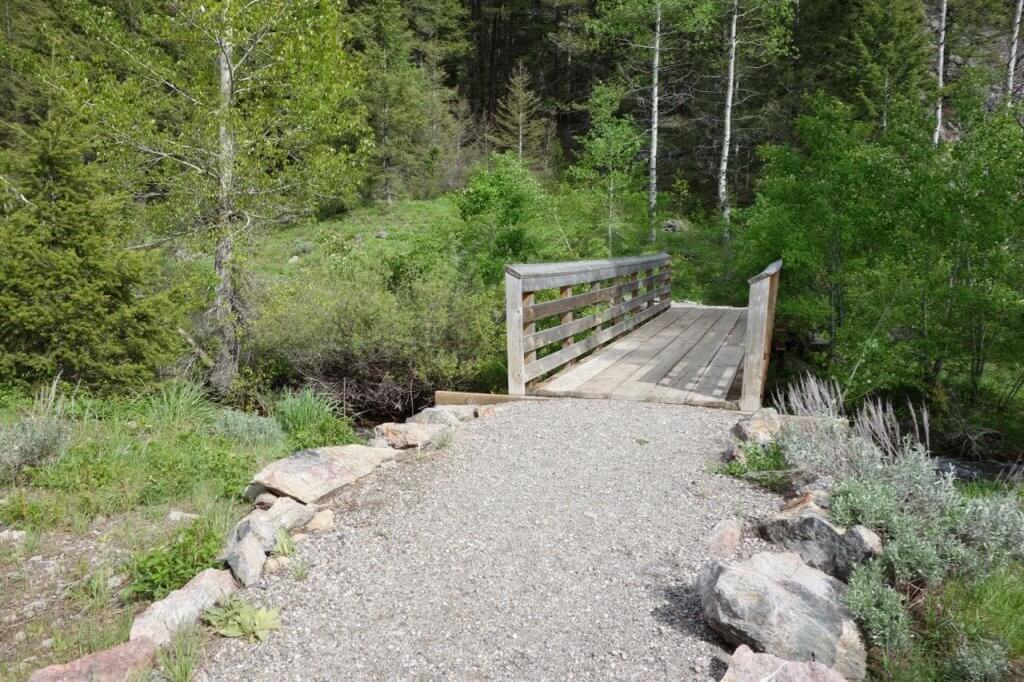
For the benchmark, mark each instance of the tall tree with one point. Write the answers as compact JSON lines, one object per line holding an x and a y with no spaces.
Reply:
{"x":1011,"y":61}
{"x":234,"y":115}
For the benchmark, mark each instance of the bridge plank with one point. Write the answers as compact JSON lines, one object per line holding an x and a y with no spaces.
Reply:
{"x":644,"y":380}
{"x":676,"y":385}
{"x":605,"y":383}
{"x":569,"y":381}
{"x":718,"y":375}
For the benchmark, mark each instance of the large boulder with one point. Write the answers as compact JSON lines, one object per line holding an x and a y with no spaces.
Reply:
{"x":777,"y":604}
{"x":309,"y":475}
{"x":128,"y":661}
{"x":412,"y":435}
{"x":806,"y":530}
{"x":748,"y":666}
{"x":184,"y":606}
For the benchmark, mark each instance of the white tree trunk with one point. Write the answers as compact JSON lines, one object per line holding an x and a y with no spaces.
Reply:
{"x":1014,"y":46}
{"x":652,"y":167}
{"x":224,"y":304}
{"x":940,"y":72}
{"x":723,"y":166}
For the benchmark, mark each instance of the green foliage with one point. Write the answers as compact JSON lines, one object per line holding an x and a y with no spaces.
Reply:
{"x":156,"y":572}
{"x":39,"y":437}
{"x":237,"y":618}
{"x":285,"y":545}
{"x":878,"y":608}
{"x":762,"y":465}
{"x":310,"y":420}
{"x":178,"y":404}
{"x":981,"y":660}
{"x":865,"y":502}
{"x":519,"y":125}
{"x":73,"y":301}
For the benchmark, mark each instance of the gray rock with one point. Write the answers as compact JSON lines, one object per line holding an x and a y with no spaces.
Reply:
{"x":309,"y":475}
{"x":246,"y":559}
{"x":747,"y":666}
{"x":13,"y":537}
{"x":175,"y":516}
{"x":819,"y":488}
{"x":264,"y":500}
{"x":184,"y":606}
{"x":288,"y":514}
{"x":725,"y":537}
{"x":806,"y":529}
{"x":448,"y":415}
{"x":322,"y":521}
{"x":675,"y":225}
{"x":381,"y":234}
{"x":412,"y":435}
{"x":760,"y":428}
{"x":260,"y":527}
{"x":778,"y":604}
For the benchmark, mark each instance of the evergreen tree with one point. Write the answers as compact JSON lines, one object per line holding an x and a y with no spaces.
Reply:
{"x":72,"y":299}
{"x":888,"y":59}
{"x":519,"y":124}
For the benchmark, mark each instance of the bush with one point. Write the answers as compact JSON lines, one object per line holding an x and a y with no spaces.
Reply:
{"x":982,"y":660}
{"x":247,"y":428}
{"x":868,"y":503}
{"x":40,"y":437}
{"x":178,"y":404}
{"x":309,"y":420}
{"x":157,"y":572}
{"x":913,"y":553}
{"x":878,"y":608}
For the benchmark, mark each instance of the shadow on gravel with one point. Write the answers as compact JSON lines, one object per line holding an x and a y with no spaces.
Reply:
{"x":681,"y":611}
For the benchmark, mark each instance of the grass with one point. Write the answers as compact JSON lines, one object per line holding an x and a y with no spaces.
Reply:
{"x":988,"y":610}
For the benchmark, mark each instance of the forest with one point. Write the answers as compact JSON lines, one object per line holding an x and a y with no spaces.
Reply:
{"x":243,"y":209}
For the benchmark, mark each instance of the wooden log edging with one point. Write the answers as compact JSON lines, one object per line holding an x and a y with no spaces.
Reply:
{"x":637,"y":289}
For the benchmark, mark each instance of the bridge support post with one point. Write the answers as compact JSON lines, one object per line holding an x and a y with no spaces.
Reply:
{"x":514,"y":334}
{"x":764,"y":290}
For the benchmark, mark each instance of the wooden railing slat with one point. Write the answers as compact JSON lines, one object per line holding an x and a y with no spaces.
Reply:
{"x":558,"y":306}
{"x":554,"y":334}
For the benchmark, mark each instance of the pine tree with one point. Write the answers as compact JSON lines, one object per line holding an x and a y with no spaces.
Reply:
{"x":888,"y":58}
{"x":72,"y":300}
{"x":519,"y":123}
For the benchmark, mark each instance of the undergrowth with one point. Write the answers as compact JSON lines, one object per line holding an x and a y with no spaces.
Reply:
{"x":763,"y":464}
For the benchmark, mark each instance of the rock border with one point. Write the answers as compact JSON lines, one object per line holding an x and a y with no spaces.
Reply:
{"x":287,"y":497}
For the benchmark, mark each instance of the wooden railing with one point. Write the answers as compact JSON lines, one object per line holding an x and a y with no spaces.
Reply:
{"x":636,"y":289}
{"x":764,"y":290}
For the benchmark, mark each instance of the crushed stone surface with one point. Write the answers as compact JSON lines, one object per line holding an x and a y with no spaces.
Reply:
{"x":554,"y":540}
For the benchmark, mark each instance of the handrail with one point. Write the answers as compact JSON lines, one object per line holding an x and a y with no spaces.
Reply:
{"x":636,"y":288}
{"x":764,"y":291}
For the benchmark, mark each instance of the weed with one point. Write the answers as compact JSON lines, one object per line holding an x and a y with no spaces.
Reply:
{"x":41,"y":436}
{"x":878,"y":608}
{"x":764,"y":464}
{"x":92,"y":594}
{"x":179,"y":660}
{"x":178,"y":404}
{"x":300,"y":569}
{"x":285,"y":545}
{"x":157,"y":572}
{"x":100,"y":634}
{"x":237,"y":618}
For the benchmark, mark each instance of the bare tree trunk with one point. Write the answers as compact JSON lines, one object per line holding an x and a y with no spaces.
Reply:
{"x":224,"y":304}
{"x":941,"y":72}
{"x":1014,"y":46}
{"x":522,"y":124}
{"x":723,"y":166}
{"x":611,"y":213}
{"x":652,"y":169}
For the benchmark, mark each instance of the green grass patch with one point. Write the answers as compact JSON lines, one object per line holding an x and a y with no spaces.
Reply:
{"x":156,"y":572}
{"x":762,"y":464}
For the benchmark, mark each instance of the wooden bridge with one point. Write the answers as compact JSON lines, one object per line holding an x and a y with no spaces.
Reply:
{"x":609,"y":329}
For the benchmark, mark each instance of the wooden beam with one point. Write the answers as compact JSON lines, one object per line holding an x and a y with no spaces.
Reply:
{"x":514,"y":335}
{"x":760,"y":325}
{"x":465,"y":398}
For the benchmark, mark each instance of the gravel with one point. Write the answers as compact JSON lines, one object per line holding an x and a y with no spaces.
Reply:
{"x":553,"y":540}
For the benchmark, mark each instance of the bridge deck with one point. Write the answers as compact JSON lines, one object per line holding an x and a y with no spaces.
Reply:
{"x":687,"y":355}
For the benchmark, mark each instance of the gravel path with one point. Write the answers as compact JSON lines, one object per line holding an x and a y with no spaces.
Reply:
{"x":554,"y":540}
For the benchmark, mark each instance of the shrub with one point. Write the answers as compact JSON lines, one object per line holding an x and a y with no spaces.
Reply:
{"x":913,"y":553}
{"x":878,"y":608}
{"x":980,"y":660}
{"x":157,"y":572}
{"x":41,"y":436}
{"x":993,"y":527}
{"x":237,"y":618}
{"x":309,"y":420}
{"x":248,"y":428}
{"x":869,"y":503}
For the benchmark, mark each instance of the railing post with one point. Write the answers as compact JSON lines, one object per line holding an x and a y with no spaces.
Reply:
{"x":514,"y":334}
{"x":760,"y":325}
